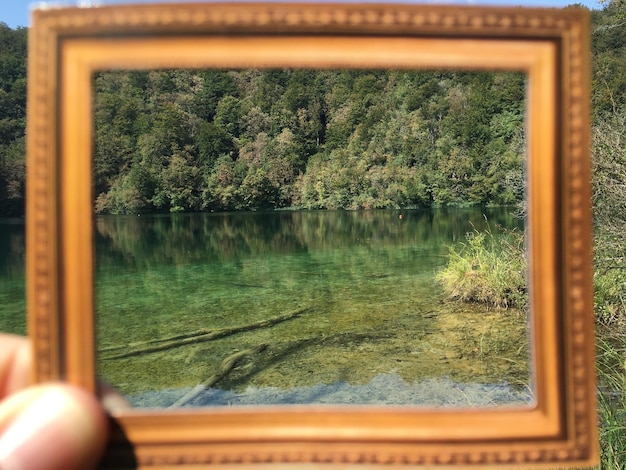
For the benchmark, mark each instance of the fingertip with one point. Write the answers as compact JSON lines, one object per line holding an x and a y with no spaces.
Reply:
{"x":93,"y":431}
{"x":15,"y":363}
{"x":52,"y":426}
{"x":111,"y":399}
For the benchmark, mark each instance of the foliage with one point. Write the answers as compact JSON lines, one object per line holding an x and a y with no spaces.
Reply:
{"x":609,"y":58}
{"x":489,"y":269}
{"x":617,"y":7}
{"x":609,"y":278}
{"x":256,"y":139}
{"x":211,"y":140}
{"x":609,"y":194}
{"x":411,"y":139}
{"x":12,"y":119}
{"x":609,"y":172}
{"x":610,"y":353}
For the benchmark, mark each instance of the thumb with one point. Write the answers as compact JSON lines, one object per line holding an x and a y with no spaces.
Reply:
{"x":50,"y":427}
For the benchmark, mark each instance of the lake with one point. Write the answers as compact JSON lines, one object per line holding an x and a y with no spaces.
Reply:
{"x":291,"y":307}
{"x":12,"y":276}
{"x":354,"y":312}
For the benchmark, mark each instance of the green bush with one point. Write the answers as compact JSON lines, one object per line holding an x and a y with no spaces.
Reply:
{"x":489,"y":269}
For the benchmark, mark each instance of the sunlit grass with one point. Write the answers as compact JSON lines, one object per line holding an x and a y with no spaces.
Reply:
{"x":490,"y":270}
{"x":487,"y":269}
{"x":611,"y":367}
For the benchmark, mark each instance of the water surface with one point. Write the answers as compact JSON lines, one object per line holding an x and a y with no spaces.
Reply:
{"x":12,"y":276}
{"x":355,"y":314}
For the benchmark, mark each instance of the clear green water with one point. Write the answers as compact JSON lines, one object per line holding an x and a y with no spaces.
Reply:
{"x":373,"y":314}
{"x":375,"y":329}
{"x":12,"y":276}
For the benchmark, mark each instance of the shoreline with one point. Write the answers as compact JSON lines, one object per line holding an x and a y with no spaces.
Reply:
{"x":383,"y":389}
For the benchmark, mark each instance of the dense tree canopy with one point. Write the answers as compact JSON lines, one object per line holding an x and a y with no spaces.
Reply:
{"x":12,"y":119}
{"x":181,"y":140}
{"x":211,"y":140}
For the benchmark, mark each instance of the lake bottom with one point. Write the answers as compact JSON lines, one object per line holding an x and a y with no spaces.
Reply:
{"x":383,"y":389}
{"x":317,"y":308}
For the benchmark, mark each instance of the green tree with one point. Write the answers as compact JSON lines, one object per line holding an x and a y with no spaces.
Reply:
{"x":228,"y":115}
{"x":213,"y":141}
{"x":179,"y":184}
{"x":215,"y":85}
{"x":252,"y":139}
{"x":13,"y":47}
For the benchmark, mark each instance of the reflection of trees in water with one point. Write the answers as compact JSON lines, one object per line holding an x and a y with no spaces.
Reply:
{"x":364,"y":279}
{"x":182,"y":239}
{"x":12,"y":247}
{"x":12,"y":276}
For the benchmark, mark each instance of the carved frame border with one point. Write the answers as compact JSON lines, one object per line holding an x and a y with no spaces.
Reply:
{"x":64,"y":343}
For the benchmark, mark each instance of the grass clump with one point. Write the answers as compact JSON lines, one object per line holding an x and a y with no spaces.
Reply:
{"x":610,"y":297}
{"x":609,"y":278}
{"x":487,"y":268}
{"x":611,"y":367}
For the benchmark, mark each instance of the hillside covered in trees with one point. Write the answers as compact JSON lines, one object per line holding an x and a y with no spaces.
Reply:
{"x":216,"y":140}
{"x":213,"y":140}
{"x":12,"y":119}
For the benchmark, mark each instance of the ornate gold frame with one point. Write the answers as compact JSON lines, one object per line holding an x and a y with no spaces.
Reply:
{"x":551,"y":46}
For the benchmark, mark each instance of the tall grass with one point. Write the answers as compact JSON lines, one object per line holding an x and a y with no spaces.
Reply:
{"x":611,"y":367}
{"x":492,"y":269}
{"x":487,"y":268}
{"x":609,"y":278}
{"x":610,"y":309}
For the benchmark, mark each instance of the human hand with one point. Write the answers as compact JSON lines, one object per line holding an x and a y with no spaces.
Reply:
{"x":45,"y":427}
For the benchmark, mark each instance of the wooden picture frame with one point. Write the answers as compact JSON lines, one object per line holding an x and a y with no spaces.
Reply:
{"x":551,"y":46}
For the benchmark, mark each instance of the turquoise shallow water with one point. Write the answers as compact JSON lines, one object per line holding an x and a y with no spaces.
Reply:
{"x":363,"y":281}
{"x":12,"y":276}
{"x":370,"y":311}
{"x":383,"y":389}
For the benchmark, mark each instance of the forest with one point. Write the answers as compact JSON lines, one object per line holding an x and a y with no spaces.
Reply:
{"x":180,"y":140}
{"x":13,"y":51}
{"x":223,"y":140}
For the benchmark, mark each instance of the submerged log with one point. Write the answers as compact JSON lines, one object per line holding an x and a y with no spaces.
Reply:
{"x":224,"y":368}
{"x":280,"y":351}
{"x":139,"y":344}
{"x":198,"y":336}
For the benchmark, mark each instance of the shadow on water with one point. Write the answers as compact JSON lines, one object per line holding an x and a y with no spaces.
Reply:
{"x":377,"y":319}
